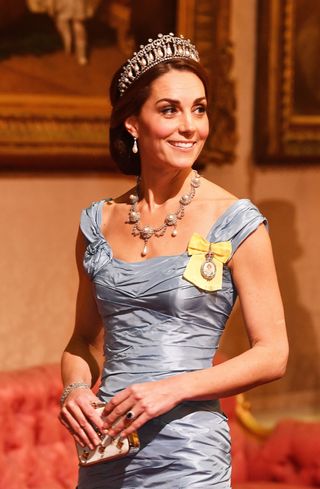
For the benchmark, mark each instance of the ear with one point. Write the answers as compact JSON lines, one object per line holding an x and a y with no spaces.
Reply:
{"x":131,"y":124}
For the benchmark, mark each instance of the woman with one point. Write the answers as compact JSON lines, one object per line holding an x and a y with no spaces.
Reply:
{"x":167,"y":260}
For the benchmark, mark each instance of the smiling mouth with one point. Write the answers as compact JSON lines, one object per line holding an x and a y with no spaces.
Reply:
{"x":182,"y":144}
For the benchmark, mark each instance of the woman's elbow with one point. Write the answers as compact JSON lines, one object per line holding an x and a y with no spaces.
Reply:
{"x":281,"y":370}
{"x":279,"y":362}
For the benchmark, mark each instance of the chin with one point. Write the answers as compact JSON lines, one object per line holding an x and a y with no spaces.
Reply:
{"x":181,"y":164}
{"x":183,"y":160}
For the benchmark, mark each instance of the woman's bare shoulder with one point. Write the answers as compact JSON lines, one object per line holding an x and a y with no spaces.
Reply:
{"x":120,"y":199}
{"x":216,"y":196}
{"x":115,"y":208}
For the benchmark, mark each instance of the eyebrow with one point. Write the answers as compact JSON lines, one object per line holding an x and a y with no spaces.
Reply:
{"x":177,"y":102}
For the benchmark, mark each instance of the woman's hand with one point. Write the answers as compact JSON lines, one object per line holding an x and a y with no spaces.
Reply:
{"x":131,"y":408}
{"x":80,"y":418}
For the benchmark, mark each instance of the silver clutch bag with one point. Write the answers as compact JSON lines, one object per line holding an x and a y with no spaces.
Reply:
{"x":110,"y":448}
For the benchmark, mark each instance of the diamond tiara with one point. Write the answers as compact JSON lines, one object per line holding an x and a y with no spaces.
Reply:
{"x":166,"y":46}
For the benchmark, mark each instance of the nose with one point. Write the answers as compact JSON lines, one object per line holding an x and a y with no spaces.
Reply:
{"x":187,"y":125}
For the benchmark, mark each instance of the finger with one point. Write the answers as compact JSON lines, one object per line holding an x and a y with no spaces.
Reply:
{"x":94,"y":416}
{"x":78,"y":440}
{"x":76,"y":430}
{"x":116,"y":413}
{"x":124,"y":421}
{"x":71,"y":431}
{"x":65,"y":424}
{"x":80,"y":425}
{"x":129,"y":417}
{"x":115,"y":401}
{"x":75,"y":436}
{"x":136,"y":424}
{"x":86,"y":405}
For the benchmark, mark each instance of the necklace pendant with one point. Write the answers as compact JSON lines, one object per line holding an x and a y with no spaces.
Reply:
{"x":134,"y":216}
{"x":146,"y":232}
{"x":174,"y":233}
{"x":171,"y":219}
{"x":185,"y":199}
{"x":145,"y":250}
{"x":195,"y":181}
{"x":208,"y":269}
{"x":133,"y":199}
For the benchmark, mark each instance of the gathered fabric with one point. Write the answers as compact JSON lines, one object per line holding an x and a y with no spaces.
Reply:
{"x":159,"y":323}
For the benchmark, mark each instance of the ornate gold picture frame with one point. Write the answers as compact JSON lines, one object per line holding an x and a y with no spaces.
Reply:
{"x":70,"y":132}
{"x":287,"y":121}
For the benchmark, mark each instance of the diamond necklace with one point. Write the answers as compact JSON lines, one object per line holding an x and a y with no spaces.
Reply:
{"x":171,"y":219}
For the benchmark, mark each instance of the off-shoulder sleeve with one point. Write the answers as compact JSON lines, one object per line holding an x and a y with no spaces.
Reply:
{"x":97,"y":252}
{"x":242,"y":219}
{"x":89,"y":223}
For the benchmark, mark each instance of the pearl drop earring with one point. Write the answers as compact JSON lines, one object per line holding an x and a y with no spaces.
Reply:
{"x":135,"y":146}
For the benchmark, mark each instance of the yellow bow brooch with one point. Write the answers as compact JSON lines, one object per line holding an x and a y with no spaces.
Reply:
{"x":206,"y":263}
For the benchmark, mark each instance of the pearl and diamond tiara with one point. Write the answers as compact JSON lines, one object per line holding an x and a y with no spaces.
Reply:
{"x":165,"y":47}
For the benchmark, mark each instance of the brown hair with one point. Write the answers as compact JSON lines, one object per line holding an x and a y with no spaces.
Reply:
{"x":131,"y":102}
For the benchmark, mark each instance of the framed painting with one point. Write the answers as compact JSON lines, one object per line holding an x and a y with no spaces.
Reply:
{"x":54,"y":108}
{"x":287,"y":119}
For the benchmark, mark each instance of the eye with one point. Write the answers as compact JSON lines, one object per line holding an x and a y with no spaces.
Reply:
{"x":200,"y":109}
{"x":168,"y":110}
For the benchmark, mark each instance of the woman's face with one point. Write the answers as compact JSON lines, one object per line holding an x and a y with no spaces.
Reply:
{"x":172,"y":125}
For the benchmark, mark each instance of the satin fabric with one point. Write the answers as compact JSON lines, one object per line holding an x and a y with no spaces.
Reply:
{"x":158,"y":324}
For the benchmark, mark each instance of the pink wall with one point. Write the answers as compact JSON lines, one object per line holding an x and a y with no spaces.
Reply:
{"x":39,"y":222}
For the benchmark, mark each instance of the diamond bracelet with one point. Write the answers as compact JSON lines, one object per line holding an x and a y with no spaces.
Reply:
{"x":71,"y":387}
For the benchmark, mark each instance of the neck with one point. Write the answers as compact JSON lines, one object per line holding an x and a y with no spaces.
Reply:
{"x":156,"y":189}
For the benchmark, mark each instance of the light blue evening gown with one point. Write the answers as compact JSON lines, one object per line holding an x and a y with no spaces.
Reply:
{"x":158,"y":324}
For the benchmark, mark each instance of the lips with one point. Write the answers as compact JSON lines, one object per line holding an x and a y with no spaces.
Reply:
{"x":182,"y":144}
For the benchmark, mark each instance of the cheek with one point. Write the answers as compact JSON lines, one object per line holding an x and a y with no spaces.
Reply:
{"x":157,"y":131}
{"x":204,"y":129}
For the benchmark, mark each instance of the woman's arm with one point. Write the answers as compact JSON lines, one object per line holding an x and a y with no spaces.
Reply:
{"x":255,"y":278}
{"x":82,"y":359}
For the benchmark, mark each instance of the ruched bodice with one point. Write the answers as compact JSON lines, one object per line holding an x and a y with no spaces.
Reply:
{"x":157,"y":323}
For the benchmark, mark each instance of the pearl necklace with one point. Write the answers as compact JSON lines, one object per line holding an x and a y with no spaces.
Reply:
{"x":146,"y":232}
